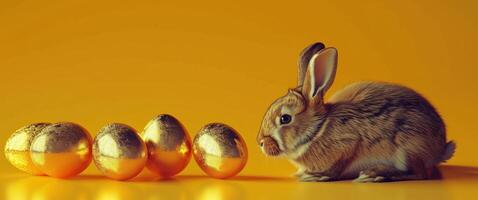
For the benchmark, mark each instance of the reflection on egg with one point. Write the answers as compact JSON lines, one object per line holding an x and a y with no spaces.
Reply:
{"x":219,"y":150}
{"x":62,"y":150}
{"x":169,"y":145}
{"x":119,"y":152}
{"x":17,"y":148}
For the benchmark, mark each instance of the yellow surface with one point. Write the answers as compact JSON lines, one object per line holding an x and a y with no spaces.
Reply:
{"x":97,"y":62}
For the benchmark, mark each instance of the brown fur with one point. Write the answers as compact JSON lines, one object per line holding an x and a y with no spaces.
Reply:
{"x":370,"y":130}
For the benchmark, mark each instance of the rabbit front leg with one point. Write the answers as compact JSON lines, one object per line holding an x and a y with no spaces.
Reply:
{"x":324,"y":164}
{"x":379,"y":173}
{"x":314,"y":177}
{"x":332,"y":173}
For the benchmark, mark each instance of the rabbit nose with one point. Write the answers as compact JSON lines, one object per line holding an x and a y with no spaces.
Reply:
{"x":261,"y":143}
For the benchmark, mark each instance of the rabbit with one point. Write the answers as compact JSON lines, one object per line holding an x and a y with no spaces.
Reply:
{"x":368,"y":131}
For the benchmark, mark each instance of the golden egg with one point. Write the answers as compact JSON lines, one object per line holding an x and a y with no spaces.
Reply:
{"x":62,"y":150}
{"x":219,"y":150}
{"x":169,"y":145}
{"x":17,"y":148}
{"x":118,"y":151}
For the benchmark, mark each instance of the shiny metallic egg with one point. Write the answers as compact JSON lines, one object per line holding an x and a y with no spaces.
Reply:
{"x":169,"y":146}
{"x":17,"y":148}
{"x":119,"y":152}
{"x":219,"y":150}
{"x":62,"y":150}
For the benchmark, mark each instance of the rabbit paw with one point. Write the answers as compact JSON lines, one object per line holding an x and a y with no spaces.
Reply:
{"x":365,"y":177}
{"x":299,"y":173}
{"x":314,"y":178}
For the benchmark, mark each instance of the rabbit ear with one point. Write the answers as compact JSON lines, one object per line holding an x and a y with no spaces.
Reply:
{"x":304,"y":59}
{"x":320,"y":74}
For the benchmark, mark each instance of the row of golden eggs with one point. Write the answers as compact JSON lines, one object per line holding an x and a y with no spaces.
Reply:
{"x":119,"y":152}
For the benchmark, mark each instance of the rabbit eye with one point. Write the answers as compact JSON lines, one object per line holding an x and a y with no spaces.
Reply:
{"x":285,"y":119}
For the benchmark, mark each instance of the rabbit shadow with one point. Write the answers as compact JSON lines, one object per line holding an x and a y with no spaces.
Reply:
{"x":457,"y":172}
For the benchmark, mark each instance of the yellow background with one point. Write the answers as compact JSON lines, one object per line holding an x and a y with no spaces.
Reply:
{"x":96,"y":62}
